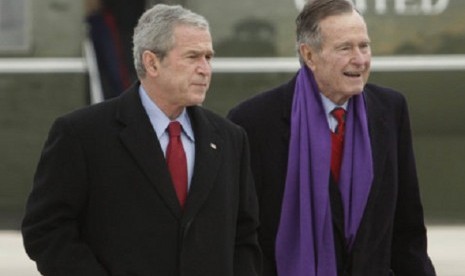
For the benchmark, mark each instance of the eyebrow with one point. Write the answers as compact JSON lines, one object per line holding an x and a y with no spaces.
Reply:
{"x":199,"y":52}
{"x":348,"y":43}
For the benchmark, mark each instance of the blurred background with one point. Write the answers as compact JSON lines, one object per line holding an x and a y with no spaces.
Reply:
{"x":59,"y":55}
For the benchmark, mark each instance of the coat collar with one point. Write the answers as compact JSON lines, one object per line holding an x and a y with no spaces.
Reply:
{"x":140,"y":139}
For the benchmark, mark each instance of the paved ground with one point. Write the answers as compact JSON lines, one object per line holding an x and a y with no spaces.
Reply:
{"x":446,"y":246}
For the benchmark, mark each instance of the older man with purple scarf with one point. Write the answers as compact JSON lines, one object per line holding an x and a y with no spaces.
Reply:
{"x":327,"y":209}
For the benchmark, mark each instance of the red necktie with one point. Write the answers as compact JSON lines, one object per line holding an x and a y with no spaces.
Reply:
{"x":177,"y":164}
{"x":337,"y":142}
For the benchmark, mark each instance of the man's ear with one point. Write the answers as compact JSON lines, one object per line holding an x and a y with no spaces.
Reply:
{"x":308,"y":55}
{"x":151,"y":63}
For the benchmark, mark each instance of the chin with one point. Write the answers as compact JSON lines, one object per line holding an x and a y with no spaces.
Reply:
{"x":197,"y":100}
{"x":356,"y":89}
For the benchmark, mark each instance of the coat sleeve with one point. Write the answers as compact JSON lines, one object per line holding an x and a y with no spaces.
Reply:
{"x":55,"y":207}
{"x":409,"y":246}
{"x":247,"y":256}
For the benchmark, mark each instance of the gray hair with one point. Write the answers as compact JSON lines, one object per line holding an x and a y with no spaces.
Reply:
{"x":155,"y":31}
{"x":308,"y":21}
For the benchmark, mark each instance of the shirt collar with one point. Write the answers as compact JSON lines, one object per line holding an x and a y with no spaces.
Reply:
{"x":328,"y":105}
{"x":160,"y":121}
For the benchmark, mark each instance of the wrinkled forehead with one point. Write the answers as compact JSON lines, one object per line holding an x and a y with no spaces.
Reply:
{"x":345,"y":24}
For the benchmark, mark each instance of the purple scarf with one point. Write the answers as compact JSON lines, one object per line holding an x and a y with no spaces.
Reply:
{"x":304,"y":243}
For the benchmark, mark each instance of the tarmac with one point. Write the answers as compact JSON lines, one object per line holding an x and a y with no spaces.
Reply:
{"x":446,"y":246}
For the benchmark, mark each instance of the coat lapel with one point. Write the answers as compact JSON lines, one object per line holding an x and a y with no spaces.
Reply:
{"x":377,"y":128}
{"x":208,"y":152}
{"x":139,"y":138}
{"x":287,"y":97}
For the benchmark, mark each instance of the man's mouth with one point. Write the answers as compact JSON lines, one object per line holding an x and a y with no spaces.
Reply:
{"x":352,"y":74}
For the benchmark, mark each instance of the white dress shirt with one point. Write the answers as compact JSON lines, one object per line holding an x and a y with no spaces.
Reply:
{"x":160,"y":123}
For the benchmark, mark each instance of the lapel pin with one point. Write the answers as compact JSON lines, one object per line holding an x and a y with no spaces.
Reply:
{"x":213,"y":146}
